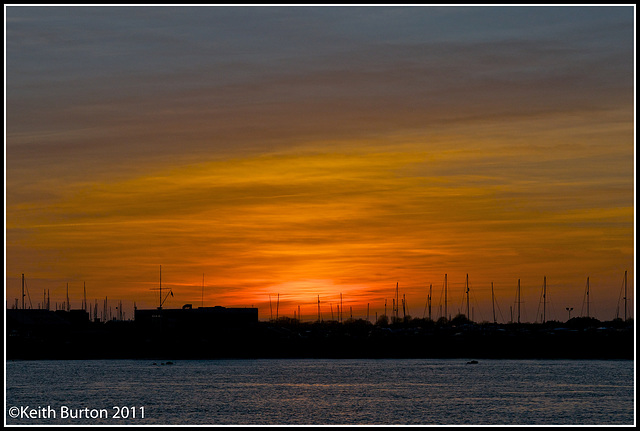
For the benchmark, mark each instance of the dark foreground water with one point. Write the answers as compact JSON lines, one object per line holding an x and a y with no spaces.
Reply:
{"x":318,"y":391}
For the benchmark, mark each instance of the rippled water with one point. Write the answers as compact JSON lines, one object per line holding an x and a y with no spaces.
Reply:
{"x":332,"y":391}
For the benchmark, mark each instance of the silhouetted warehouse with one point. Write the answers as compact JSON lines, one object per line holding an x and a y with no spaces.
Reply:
{"x":30,"y":319}
{"x":199,"y":319}
{"x":18,"y":319}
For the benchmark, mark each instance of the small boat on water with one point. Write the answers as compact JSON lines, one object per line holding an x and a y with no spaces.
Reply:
{"x":472,"y":362}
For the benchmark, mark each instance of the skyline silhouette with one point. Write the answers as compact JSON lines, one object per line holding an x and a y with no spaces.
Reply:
{"x":514,"y":311}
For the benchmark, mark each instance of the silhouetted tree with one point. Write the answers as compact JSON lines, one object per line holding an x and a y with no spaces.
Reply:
{"x":460,"y":319}
{"x":583,"y":322}
{"x":382,"y":320}
{"x":442,"y":321}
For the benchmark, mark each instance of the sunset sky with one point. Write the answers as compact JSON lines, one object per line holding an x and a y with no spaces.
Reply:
{"x":307,"y":151}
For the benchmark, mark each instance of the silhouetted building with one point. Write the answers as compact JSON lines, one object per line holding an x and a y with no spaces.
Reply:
{"x":75,"y":317}
{"x":19,"y":320}
{"x":201,"y":319}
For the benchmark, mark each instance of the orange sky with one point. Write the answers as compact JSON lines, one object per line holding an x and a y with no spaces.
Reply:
{"x":509,"y":156}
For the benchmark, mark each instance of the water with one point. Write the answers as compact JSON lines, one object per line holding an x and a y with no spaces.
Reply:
{"x":317,"y":391}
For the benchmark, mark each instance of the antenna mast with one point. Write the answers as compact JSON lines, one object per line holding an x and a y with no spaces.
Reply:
{"x":23,"y":291}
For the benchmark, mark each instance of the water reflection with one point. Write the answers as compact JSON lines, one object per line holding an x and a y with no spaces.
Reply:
{"x":345,"y":392}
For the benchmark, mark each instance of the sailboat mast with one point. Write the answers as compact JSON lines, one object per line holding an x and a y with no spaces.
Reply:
{"x":445,"y":298}
{"x":430,"y":290}
{"x":23,"y":291}
{"x":588,"y":315}
{"x":160,"y":303}
{"x":518,"y":300}
{"x":404,"y":306}
{"x":544,"y":300}
{"x":493,"y":304}
{"x":398,"y":303}
{"x":625,"y":296}
{"x":468,"y":315}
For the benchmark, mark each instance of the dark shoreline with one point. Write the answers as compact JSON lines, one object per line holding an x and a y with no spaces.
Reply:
{"x":579,"y":338}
